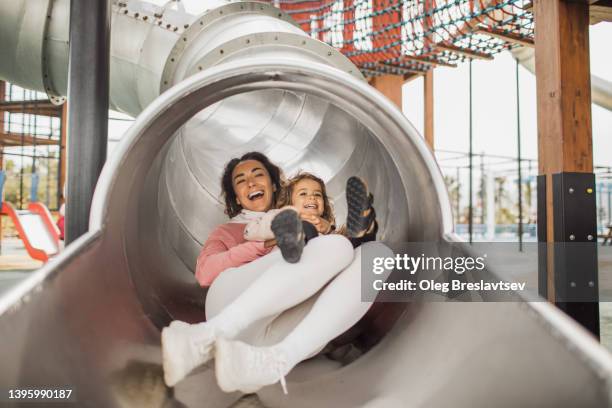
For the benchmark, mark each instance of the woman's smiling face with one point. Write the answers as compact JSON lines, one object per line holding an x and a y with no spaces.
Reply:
{"x":307,"y":197}
{"x":253,"y":186}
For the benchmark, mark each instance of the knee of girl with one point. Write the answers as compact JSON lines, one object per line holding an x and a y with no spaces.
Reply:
{"x":336,"y":247}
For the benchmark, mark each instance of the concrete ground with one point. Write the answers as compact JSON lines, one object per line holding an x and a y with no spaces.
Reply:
{"x":15,"y":264}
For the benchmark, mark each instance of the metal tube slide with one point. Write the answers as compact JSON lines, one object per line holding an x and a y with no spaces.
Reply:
{"x":242,"y":77}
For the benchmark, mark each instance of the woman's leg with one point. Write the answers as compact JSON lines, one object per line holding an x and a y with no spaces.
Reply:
{"x":285,"y":285}
{"x":263,"y":288}
{"x":336,"y":309}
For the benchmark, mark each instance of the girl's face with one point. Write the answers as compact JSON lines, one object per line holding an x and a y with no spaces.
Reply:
{"x":253,"y":186}
{"x":307,"y":197}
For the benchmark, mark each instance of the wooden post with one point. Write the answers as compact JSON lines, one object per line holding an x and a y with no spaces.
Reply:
{"x":390,"y":86}
{"x":428,"y":82}
{"x":564,"y":133}
{"x":428,"y":111}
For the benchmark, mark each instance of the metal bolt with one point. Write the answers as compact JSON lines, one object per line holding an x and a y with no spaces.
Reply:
{"x":571,"y":190}
{"x":591,"y":284}
{"x":589,"y":190}
{"x":572,"y":237}
{"x":573,"y":284}
{"x":590,"y":237}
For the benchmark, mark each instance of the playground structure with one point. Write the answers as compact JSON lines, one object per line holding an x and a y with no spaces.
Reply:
{"x":246,"y":70}
{"x":27,"y":134}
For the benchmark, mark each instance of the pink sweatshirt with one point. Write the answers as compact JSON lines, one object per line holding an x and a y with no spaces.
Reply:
{"x":226,"y":248}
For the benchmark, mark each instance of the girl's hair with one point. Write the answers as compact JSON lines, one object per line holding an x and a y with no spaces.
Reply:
{"x":232,"y":208}
{"x":328,"y":210}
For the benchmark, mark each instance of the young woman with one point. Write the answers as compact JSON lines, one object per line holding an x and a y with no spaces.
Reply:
{"x":264,"y":315}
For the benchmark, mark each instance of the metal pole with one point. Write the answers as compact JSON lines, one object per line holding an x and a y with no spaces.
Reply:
{"x":88,"y":96}
{"x":23,"y":126}
{"x":520,"y":178}
{"x":471,"y":168}
{"x":458,"y":204}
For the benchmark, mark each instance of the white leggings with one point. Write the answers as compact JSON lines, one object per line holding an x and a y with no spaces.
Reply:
{"x":297,"y":307}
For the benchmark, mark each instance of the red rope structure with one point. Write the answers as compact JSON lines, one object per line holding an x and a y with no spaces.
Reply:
{"x":412,"y":36}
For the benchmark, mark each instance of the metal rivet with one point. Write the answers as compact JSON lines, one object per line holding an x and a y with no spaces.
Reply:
{"x":136,"y":15}
{"x":571,"y":190}
{"x":186,"y":26}
{"x":221,"y":51}
{"x":184,"y":38}
{"x":200,"y":68}
{"x":165,"y":82}
{"x":572,"y":237}
{"x":168,"y":25}
{"x":589,"y":190}
{"x":573,"y":284}
{"x":201,"y":23}
{"x":145,"y":18}
{"x":329,"y":53}
{"x":304,"y":42}
{"x":590,"y":237}
{"x":125,"y":11}
{"x":248,"y":41}
{"x":220,"y":11}
{"x":175,"y":28}
{"x":591,"y":284}
{"x":172,"y":59}
{"x":276,"y":38}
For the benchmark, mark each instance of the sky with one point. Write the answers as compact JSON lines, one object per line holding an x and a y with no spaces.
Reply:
{"x":494,"y":104}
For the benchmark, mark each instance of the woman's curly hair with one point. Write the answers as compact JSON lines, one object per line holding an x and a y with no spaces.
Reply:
{"x":287,"y":192}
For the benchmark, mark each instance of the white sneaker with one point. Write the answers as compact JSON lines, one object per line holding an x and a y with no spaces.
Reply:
{"x":241,"y":367}
{"x":184,"y":347}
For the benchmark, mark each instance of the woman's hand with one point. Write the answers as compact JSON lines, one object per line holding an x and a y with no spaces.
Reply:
{"x":322,"y":225}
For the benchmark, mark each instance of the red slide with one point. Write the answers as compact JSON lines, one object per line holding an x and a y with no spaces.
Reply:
{"x":36,"y":229}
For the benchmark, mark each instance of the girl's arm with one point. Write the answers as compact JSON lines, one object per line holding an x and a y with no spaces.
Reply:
{"x":217,"y":257}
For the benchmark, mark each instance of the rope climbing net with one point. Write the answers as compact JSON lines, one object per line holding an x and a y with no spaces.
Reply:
{"x":412,"y":36}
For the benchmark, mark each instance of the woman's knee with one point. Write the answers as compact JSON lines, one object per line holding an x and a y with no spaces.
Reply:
{"x":334,"y":247}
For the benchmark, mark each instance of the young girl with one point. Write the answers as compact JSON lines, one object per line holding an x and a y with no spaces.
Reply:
{"x":264,"y":315}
